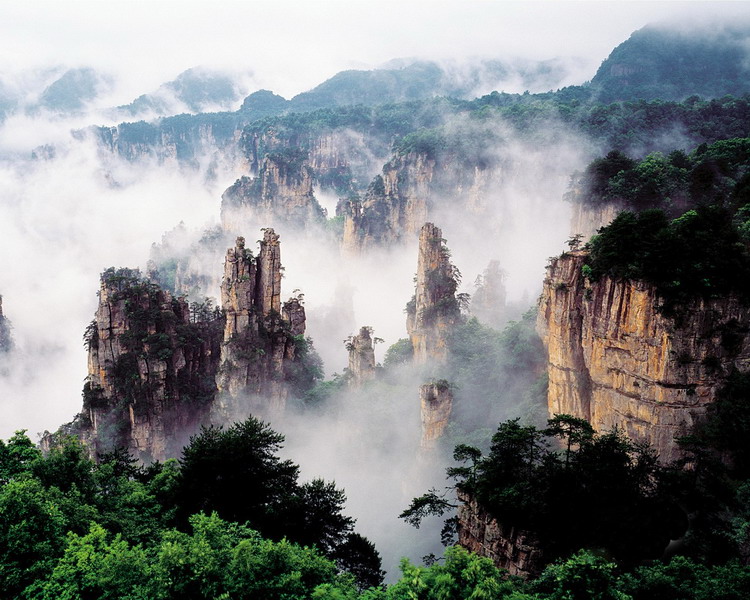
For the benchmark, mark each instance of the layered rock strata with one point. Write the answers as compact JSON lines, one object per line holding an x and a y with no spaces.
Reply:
{"x":260,"y":334}
{"x":361,"y":357}
{"x":434,"y":309}
{"x":150,"y":369}
{"x":616,"y":360}
{"x":509,"y":548}
{"x":436,"y":404}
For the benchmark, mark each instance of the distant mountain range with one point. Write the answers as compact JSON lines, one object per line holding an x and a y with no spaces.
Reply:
{"x":654,"y":63}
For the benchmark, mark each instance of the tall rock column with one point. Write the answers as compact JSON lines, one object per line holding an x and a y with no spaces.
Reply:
{"x":436,"y":404}
{"x":261,"y":336}
{"x":434,"y":308}
{"x":361,"y":357}
{"x":269,"y":273}
{"x":238,"y":289}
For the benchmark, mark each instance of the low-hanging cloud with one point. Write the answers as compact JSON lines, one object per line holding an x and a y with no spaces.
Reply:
{"x":63,"y":220}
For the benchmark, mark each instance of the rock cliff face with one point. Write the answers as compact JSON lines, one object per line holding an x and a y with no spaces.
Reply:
{"x":615,"y":360}
{"x":587,"y":220}
{"x":339,"y":157}
{"x":394,"y":207}
{"x":434,"y":308}
{"x":260,"y":335}
{"x":151,"y":369}
{"x":509,"y":548}
{"x":287,"y":169}
{"x":436,"y":404}
{"x":409,"y":190}
{"x":361,"y":357}
{"x":5,"y":339}
{"x":281,"y":193}
{"x":187,"y":140}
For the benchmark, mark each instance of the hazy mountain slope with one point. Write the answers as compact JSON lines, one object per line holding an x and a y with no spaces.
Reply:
{"x":195,"y":90}
{"x":672,"y":65}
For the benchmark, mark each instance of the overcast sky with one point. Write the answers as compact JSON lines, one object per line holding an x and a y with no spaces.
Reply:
{"x":292,"y":46}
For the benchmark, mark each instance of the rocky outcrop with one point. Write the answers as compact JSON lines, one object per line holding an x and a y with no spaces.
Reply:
{"x":587,"y":219}
{"x":488,"y":300}
{"x":6,"y":341}
{"x":616,"y":360}
{"x":282,"y":193}
{"x":409,"y":190}
{"x":434,"y":309}
{"x":436,"y":404}
{"x":286,"y":170}
{"x":160,"y":367}
{"x":340,"y":158}
{"x":361,"y":357}
{"x":150,"y":369}
{"x":260,"y":335}
{"x":192,"y":141}
{"x":394,"y":206}
{"x":509,"y":548}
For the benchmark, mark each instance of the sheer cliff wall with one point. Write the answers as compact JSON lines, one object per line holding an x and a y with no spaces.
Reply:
{"x":616,"y":360}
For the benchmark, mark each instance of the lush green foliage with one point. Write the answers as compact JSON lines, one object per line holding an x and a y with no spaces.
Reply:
{"x":236,"y":473}
{"x":495,"y":373}
{"x":669,"y":64}
{"x":218,"y":559}
{"x":71,"y":527}
{"x":528,"y":485}
{"x":699,"y":254}
{"x":399,"y":353}
{"x":712,"y":173}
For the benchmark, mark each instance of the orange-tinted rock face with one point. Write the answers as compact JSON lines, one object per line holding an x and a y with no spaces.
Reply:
{"x":435,"y":308}
{"x":615,"y":360}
